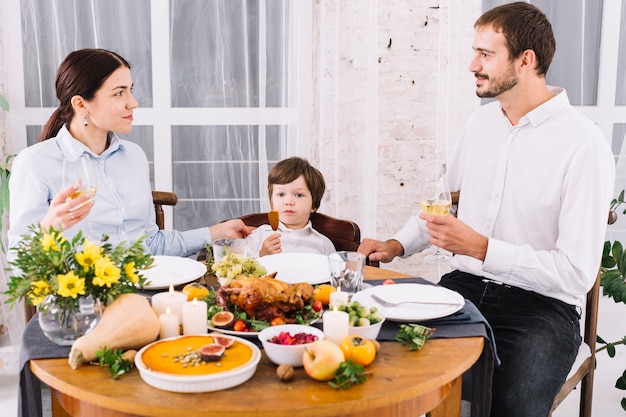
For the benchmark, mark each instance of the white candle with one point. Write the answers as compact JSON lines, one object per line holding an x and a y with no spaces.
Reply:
{"x":195,"y":316}
{"x":338,"y":298}
{"x":336,"y":325}
{"x":169,"y":324}
{"x":172,"y":299}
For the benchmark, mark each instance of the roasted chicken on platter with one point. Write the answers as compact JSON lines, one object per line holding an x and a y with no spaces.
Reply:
{"x":265,"y":298}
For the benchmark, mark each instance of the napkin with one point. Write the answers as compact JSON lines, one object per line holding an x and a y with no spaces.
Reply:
{"x":465,"y":323}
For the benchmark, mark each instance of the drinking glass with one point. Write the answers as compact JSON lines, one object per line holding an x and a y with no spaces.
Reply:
{"x":79,"y":169}
{"x":346,"y":271}
{"x":435,"y":199}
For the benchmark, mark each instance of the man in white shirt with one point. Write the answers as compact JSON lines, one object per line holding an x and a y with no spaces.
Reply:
{"x":536,"y":180}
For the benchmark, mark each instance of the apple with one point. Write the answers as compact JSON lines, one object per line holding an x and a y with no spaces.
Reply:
{"x":321,"y":359}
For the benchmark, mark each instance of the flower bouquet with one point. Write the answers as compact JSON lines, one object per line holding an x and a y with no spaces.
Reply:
{"x":66,"y":272}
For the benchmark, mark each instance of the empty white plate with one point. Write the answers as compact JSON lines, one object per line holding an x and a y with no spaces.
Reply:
{"x":297,"y":267}
{"x":172,"y":270}
{"x":451,"y":301}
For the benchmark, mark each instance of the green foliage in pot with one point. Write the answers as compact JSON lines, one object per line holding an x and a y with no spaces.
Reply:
{"x":613,"y":283}
{"x":5,"y":174}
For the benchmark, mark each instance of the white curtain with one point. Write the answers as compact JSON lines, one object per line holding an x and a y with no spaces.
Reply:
{"x":215,"y":82}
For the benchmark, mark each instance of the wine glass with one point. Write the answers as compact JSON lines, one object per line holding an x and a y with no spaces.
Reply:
{"x":79,"y":169}
{"x":435,"y":199}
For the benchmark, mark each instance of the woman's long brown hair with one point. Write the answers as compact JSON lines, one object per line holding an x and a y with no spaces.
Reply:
{"x":81,"y":73}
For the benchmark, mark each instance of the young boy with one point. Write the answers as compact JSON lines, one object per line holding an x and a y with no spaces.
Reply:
{"x":295,"y":190}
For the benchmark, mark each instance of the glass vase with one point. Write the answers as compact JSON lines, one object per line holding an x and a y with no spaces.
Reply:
{"x":62,"y":325}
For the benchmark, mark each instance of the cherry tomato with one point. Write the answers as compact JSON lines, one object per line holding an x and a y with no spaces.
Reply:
{"x":240,"y":326}
{"x":276,"y":321}
{"x":361,"y":351}
{"x":388,"y":282}
{"x":318,"y":306}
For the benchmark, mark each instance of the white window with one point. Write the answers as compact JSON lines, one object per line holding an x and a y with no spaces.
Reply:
{"x":219,"y":85}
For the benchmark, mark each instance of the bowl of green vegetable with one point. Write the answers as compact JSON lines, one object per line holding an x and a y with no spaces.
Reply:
{"x":364,"y":321}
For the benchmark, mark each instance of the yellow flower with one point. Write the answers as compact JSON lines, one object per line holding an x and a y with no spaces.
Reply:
{"x":70,"y":285}
{"x":40,"y":287}
{"x":48,"y":243}
{"x":89,"y":256}
{"x":39,"y":290}
{"x":36,"y":299}
{"x":129,"y":269}
{"x":106,"y":272}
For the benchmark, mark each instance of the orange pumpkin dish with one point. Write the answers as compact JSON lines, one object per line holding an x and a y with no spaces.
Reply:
{"x":165,"y":356}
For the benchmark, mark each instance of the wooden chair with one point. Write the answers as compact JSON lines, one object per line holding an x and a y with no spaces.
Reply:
{"x":582,"y":371}
{"x":160,"y":199}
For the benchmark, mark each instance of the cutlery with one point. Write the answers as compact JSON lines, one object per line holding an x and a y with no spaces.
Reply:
{"x":273,"y":217}
{"x":386,"y":303}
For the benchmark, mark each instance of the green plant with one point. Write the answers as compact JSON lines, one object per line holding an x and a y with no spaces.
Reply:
{"x":613,"y":283}
{"x":4,"y":103}
{"x":50,"y":264}
{"x":5,"y":174}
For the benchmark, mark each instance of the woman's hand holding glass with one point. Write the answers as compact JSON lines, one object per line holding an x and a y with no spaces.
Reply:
{"x":64,"y":211}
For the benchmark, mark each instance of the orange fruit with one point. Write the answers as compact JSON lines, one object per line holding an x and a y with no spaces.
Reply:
{"x":322,"y":293}
{"x":195,"y":290}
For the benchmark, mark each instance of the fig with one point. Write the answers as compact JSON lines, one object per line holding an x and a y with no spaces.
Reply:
{"x":223,"y":319}
{"x":212,"y":352}
{"x":221,"y":339}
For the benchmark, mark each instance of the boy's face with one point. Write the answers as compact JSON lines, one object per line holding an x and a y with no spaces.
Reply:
{"x":293,"y":202}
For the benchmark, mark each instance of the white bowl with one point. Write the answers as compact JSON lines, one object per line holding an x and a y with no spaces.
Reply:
{"x":286,"y":354}
{"x":199,"y":383}
{"x":367,"y":332}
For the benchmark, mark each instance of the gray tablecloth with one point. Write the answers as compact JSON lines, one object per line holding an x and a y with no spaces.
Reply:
{"x":465,"y":323}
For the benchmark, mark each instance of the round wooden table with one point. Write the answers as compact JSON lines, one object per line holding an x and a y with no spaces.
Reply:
{"x":403,"y":383}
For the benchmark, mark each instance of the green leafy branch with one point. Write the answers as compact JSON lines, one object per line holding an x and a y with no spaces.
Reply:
{"x":348,"y":374}
{"x":414,"y":336}
{"x":613,"y":283}
{"x":116,"y":361}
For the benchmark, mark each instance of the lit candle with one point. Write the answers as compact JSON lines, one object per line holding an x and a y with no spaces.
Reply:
{"x":336,"y":325}
{"x":169,"y":324}
{"x":195,"y":316}
{"x":338,"y":298}
{"x":172,"y":299}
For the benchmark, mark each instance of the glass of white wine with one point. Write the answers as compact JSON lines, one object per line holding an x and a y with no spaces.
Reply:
{"x":79,"y":169}
{"x":435,"y":199}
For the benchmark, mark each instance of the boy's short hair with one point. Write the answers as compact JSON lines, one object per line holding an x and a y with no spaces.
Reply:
{"x":290,"y":169}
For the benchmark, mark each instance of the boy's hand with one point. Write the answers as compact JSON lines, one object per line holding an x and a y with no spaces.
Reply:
{"x":271,"y":245}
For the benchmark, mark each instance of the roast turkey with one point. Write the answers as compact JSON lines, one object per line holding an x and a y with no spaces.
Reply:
{"x":265,"y":298}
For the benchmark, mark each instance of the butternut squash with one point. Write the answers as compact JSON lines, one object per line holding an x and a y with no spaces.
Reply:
{"x":127,"y":323}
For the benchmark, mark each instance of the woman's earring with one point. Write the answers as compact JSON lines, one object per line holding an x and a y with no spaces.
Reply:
{"x":85,"y":120}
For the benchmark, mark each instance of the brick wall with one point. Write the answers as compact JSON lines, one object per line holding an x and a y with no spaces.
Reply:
{"x":391,"y":94}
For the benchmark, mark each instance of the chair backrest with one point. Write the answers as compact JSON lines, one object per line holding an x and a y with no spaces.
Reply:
{"x":582,"y":372}
{"x":344,"y":234}
{"x":160,"y":199}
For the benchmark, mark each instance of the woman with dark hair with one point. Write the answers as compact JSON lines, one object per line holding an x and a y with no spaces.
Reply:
{"x":94,"y":88}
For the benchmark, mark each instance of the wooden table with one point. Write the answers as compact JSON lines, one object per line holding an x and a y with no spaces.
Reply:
{"x":403,"y":383}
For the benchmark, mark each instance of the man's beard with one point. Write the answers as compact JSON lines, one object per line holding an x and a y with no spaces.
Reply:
{"x":497,"y":85}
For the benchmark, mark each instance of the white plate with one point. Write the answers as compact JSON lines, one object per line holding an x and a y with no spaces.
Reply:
{"x":232,"y":332}
{"x":298,"y":267}
{"x":414,"y":292}
{"x":199,"y":383}
{"x":172,"y":270}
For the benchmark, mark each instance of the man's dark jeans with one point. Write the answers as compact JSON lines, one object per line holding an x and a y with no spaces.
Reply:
{"x":537,"y":339}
